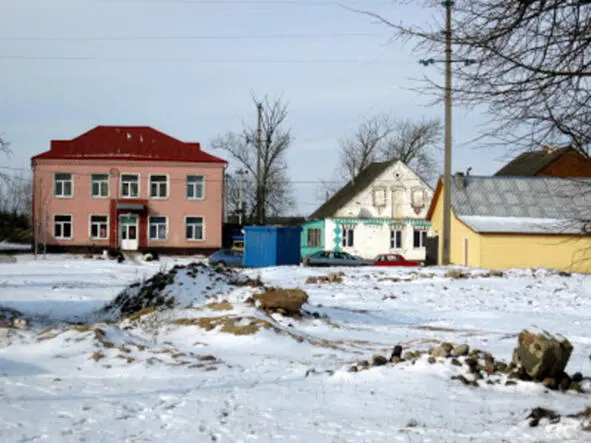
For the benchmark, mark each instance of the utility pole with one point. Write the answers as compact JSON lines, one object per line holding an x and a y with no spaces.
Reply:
{"x":241,"y":173}
{"x":446,"y":234}
{"x":260,"y":196}
{"x":446,"y":253}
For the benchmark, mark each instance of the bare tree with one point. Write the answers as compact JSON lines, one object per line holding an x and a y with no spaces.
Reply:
{"x":528,"y":62}
{"x":415,"y":144}
{"x":364,"y":147}
{"x":275,"y":140}
{"x":4,"y":149}
{"x":382,"y":138}
{"x":16,"y":194}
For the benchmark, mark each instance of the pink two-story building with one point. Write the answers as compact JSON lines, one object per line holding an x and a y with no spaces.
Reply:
{"x":128,"y":187}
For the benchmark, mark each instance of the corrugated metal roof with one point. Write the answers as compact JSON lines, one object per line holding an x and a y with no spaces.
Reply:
{"x":521,"y":197}
{"x":522,"y":225}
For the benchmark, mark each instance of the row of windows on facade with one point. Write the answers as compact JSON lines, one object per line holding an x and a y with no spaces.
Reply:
{"x":417,"y":196}
{"x":99,"y":227}
{"x":314,"y":238}
{"x":129,"y":186}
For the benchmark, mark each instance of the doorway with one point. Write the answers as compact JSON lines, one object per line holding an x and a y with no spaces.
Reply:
{"x":128,"y":235}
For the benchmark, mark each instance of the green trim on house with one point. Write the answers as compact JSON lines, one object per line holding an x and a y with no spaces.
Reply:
{"x":314,"y":224}
{"x":418,"y":223}
{"x":347,"y":221}
{"x":333,"y":240}
{"x":337,"y":238}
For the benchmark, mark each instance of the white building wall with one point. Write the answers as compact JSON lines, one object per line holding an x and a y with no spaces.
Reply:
{"x":371,"y":240}
{"x":398,"y":180}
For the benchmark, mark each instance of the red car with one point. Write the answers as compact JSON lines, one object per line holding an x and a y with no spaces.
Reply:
{"x":395,"y":260}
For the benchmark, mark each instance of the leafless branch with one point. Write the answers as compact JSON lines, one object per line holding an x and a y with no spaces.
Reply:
{"x":275,"y":140}
{"x":381,"y":138}
{"x":532,"y":65}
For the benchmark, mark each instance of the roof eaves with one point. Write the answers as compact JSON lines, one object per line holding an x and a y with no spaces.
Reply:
{"x":349,"y":190}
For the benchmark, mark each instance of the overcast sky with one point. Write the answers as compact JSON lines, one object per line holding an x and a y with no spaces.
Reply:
{"x":189,"y":67}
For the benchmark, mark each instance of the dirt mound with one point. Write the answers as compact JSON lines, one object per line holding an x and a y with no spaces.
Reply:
{"x":182,"y":286}
{"x":284,"y":301}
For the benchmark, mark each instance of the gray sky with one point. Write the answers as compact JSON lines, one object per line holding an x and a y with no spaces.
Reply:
{"x":69,"y":65}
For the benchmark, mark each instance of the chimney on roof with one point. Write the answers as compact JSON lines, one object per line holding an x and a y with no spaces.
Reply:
{"x":459,"y":180}
{"x":549,"y":149}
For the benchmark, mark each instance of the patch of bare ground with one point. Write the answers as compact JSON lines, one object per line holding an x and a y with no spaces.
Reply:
{"x":229,"y":324}
{"x":224,"y":305}
{"x":139,"y":314}
{"x":97,"y":356}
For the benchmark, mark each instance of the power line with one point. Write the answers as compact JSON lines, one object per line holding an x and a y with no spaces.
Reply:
{"x":258,"y":2}
{"x":193,"y":60}
{"x":196,"y":37}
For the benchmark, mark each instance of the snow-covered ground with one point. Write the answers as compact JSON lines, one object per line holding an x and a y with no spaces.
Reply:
{"x":14,"y":246}
{"x":176,"y":376}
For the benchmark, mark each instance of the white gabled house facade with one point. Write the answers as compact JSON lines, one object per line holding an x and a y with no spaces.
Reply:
{"x":383,"y":210}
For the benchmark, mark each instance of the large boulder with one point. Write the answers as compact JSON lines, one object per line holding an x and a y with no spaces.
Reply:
{"x":285,"y":301}
{"x":541,"y":354}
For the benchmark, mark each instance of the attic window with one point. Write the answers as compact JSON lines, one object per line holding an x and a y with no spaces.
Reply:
{"x":418,"y":197}
{"x":379,"y":197}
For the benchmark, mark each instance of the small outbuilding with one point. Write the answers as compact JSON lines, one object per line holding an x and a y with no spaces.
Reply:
{"x":271,"y":246}
{"x":506,"y":222}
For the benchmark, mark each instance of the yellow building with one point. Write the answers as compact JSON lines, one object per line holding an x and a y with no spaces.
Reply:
{"x":517,"y":222}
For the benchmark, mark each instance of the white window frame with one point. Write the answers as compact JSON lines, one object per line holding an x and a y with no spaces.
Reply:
{"x":345,"y":241}
{"x":150,"y":228}
{"x":393,"y":235}
{"x":422,"y":238}
{"x":166,"y":183}
{"x":61,"y":237}
{"x":202,"y":228}
{"x":71,"y":181}
{"x":195,"y":187}
{"x":90,"y":223}
{"x":92,"y":195}
{"x":139,"y":185}
{"x":376,"y":192}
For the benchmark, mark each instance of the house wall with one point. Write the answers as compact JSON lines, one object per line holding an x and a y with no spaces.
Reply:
{"x":570,"y":164}
{"x":397,"y":177}
{"x":465,"y":246}
{"x":315,"y":224}
{"x":564,"y":252}
{"x":371,"y":237}
{"x":176,"y":207}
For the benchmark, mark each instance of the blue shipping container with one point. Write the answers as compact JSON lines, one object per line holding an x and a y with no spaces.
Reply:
{"x":271,"y":246}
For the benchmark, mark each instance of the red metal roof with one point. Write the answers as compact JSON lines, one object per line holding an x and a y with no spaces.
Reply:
{"x":141,"y":143}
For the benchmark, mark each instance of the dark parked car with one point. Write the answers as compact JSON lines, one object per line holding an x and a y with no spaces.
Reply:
{"x":395,"y":260}
{"x":226,"y":257}
{"x":333,"y":258}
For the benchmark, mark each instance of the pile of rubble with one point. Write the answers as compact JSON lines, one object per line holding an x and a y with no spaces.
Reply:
{"x":164,"y":289}
{"x":539,"y":414}
{"x":539,"y":357}
{"x":11,"y":318}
